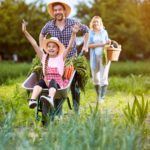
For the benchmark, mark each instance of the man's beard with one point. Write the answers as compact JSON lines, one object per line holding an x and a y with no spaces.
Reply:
{"x":59,"y":18}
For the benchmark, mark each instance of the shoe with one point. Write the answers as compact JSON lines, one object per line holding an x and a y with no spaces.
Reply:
{"x":47,"y":100}
{"x":32,"y":103}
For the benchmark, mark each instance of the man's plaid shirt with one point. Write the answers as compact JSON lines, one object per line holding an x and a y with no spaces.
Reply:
{"x":64,"y":35}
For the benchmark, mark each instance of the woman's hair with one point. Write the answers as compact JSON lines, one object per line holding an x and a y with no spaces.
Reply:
{"x":92,"y":20}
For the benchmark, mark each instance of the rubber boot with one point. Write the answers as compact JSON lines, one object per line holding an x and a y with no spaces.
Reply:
{"x":103,"y":90}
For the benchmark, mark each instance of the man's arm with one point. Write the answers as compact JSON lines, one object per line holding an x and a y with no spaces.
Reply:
{"x":41,"y":37}
{"x":85,"y":42}
{"x":75,"y":29}
{"x":85,"y":30}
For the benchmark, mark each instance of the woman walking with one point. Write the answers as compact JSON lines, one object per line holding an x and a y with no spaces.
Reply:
{"x":98,"y":38}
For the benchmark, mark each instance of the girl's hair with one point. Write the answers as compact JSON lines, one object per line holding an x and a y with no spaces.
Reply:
{"x":46,"y":60}
{"x":46,"y":63}
{"x":92,"y":20}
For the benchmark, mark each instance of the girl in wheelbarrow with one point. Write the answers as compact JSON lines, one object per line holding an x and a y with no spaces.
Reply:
{"x":52,"y":63}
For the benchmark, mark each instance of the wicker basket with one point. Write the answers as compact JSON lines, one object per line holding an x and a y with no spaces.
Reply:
{"x":113,"y":53}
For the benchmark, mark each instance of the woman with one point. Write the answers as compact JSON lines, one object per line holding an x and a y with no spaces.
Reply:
{"x":97,"y":40}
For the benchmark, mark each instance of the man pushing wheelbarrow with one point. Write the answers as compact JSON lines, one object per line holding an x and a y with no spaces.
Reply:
{"x":61,"y":27}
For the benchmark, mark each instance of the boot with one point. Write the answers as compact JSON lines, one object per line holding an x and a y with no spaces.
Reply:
{"x":102,"y":94}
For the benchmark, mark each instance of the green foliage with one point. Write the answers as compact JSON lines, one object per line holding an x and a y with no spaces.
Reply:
{"x":137,"y":113}
{"x":130,"y":67}
{"x":130,"y":84}
{"x":104,"y":56}
{"x":36,"y":67}
{"x":97,"y":131}
{"x":10,"y":70}
{"x":145,"y":18}
{"x":12,"y":12}
{"x":81,"y":66}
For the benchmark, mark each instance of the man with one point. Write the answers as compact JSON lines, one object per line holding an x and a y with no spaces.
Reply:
{"x":61,"y":27}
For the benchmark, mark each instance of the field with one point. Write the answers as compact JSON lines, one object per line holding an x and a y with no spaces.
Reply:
{"x":122,"y":122}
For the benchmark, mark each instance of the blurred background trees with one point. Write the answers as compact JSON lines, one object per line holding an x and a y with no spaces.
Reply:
{"x":12,"y":39}
{"x":127,"y":22}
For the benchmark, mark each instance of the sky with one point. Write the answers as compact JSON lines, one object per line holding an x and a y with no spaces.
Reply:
{"x":72,"y":3}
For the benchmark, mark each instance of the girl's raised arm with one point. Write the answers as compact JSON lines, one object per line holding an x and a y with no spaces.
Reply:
{"x":31,"y":40}
{"x":75,"y":29}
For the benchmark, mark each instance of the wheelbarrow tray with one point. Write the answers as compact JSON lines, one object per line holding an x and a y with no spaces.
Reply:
{"x":32,"y":80}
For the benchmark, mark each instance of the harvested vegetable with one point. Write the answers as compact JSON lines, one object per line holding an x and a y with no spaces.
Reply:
{"x":36,"y":67}
{"x":81,"y":66}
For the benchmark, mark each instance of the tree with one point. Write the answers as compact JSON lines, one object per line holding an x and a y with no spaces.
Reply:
{"x":12,"y":39}
{"x":145,"y":28}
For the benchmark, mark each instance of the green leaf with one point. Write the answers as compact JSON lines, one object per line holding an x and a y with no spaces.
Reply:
{"x":133,"y":107}
{"x":145,"y":111}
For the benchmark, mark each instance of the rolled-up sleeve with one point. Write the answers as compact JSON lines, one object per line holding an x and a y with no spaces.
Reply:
{"x":44,"y":30}
{"x":84,"y":28}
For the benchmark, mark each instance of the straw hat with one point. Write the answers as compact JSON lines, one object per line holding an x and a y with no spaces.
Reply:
{"x":54,"y":40}
{"x":66,"y":6}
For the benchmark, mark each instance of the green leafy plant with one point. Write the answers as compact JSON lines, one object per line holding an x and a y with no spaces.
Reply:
{"x":136,"y":113}
{"x":36,"y":67}
{"x":104,"y":55}
{"x":81,"y":66}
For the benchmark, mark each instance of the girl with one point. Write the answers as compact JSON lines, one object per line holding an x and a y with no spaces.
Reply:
{"x":97,"y":40}
{"x":52,"y":63}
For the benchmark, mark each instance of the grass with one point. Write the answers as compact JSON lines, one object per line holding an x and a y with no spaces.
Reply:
{"x":11,"y":70}
{"x":101,"y":126}
{"x":130,"y":67}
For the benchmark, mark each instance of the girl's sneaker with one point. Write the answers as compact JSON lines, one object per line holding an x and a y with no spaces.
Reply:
{"x":32,"y":103}
{"x":47,"y":100}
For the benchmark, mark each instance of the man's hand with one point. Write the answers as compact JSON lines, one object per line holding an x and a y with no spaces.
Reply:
{"x":85,"y":48}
